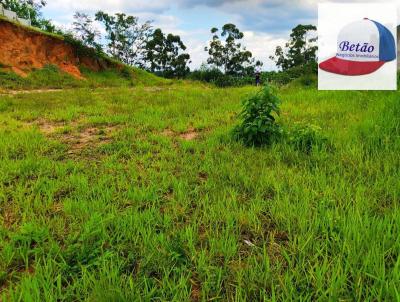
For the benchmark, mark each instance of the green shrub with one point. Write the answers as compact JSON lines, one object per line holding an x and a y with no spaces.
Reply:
{"x":306,"y":137}
{"x":278,"y":78}
{"x":308,"y":80}
{"x":82,"y":50}
{"x":127,"y":72}
{"x":307,"y":75}
{"x":232,"y":81}
{"x":50,"y":76}
{"x":258,"y":126}
{"x":205,"y":74}
{"x":305,"y":81}
{"x":10,"y":80}
{"x":219,"y":79}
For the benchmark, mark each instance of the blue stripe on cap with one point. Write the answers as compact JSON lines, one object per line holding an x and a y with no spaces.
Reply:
{"x":387,"y":44}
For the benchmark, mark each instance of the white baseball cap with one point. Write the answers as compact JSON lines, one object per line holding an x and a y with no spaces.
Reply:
{"x":362,"y":48}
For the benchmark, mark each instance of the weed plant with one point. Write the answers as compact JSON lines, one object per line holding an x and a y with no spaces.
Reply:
{"x":258,"y":124}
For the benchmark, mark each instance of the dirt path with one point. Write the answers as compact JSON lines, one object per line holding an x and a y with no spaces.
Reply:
{"x":14,"y":92}
{"x":17,"y":92}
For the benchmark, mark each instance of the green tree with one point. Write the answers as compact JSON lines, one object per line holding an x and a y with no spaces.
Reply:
{"x":229,"y":55}
{"x":126,"y":37}
{"x":300,"y":50}
{"x":30,"y":9}
{"x":165,"y":56}
{"x":85,"y":32}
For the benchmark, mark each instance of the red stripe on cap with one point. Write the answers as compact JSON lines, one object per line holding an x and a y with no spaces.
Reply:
{"x":350,"y":68}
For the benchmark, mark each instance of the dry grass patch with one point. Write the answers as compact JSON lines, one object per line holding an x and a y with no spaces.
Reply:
{"x":195,"y":293}
{"x":168,"y":132}
{"x":87,"y":138}
{"x":48,"y":127}
{"x":8,"y":216}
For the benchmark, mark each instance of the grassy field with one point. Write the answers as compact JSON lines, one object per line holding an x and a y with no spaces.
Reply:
{"x":140,"y":194}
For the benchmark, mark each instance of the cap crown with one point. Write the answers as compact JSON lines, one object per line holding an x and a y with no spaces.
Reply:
{"x":366,"y":41}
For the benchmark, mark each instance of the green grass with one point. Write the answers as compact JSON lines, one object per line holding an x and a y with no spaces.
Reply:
{"x":50,"y":77}
{"x":140,"y":214}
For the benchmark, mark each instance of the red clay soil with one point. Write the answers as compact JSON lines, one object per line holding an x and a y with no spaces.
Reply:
{"x":23,"y":50}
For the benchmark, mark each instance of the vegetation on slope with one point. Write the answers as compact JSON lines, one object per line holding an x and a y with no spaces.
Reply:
{"x":50,"y":77}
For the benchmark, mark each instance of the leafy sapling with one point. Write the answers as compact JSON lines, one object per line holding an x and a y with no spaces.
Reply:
{"x":258,"y":119}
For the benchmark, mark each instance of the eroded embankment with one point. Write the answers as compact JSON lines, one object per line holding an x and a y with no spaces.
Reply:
{"x":23,"y":49}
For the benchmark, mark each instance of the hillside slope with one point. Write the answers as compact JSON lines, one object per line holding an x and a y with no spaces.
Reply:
{"x":24,"y":49}
{"x":30,"y":58}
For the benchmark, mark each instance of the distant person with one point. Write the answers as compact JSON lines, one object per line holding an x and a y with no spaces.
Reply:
{"x":257,"y":72}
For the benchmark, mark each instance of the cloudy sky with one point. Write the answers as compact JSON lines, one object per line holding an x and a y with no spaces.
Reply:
{"x":266,"y":23}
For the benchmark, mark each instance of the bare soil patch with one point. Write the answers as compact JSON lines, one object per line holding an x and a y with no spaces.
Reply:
{"x":48,"y":127}
{"x":88,"y":138}
{"x":188,"y":135}
{"x":195,"y":294}
{"x":16,"y":92}
{"x":78,"y":137}
{"x":9,"y":216}
{"x":168,"y":132}
{"x":99,"y":90}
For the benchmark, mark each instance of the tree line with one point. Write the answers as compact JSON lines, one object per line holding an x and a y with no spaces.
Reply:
{"x":139,"y":44}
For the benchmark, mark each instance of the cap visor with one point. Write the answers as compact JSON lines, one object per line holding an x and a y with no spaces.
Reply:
{"x":350,"y":68}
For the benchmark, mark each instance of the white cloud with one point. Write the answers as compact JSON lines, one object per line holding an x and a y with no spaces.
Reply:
{"x":112,"y":6}
{"x":263,"y":45}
